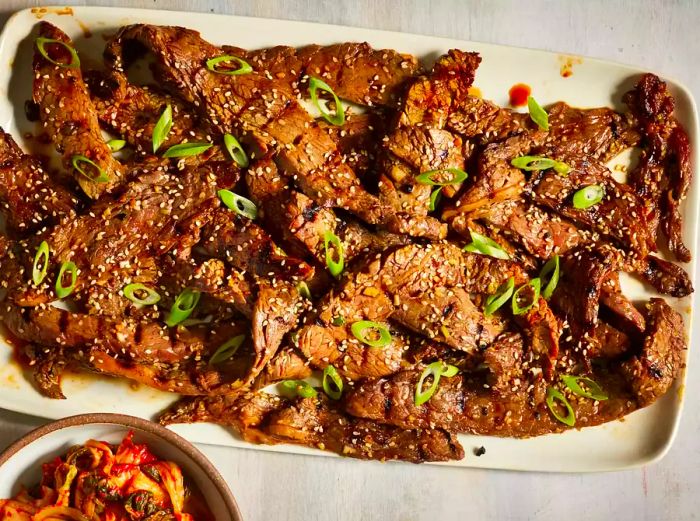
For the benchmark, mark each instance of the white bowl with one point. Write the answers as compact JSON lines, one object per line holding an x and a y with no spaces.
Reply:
{"x":21,"y":462}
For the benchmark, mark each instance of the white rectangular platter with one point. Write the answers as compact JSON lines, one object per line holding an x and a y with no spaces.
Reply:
{"x":642,"y":437}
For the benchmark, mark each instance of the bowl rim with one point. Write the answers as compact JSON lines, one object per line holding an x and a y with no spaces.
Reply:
{"x":124,"y":420}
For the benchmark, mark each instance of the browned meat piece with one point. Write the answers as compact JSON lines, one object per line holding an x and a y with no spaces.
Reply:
{"x":70,"y":118}
{"x":504,"y":360}
{"x":664,"y":173}
{"x":661,"y":360}
{"x":47,"y":370}
{"x":29,"y":198}
{"x":542,"y":329}
{"x":620,"y":215}
{"x":664,"y":276}
{"x":626,"y":315}
{"x":303,"y":149}
{"x":608,"y":342}
{"x":478,"y":118}
{"x":601,"y":133}
{"x":287,"y":364}
{"x":358,"y":140}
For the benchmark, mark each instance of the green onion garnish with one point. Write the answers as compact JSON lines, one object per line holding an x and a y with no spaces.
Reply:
{"x":303,"y":289}
{"x":334,"y":119}
{"x":485,"y":246}
{"x":434,"y":198}
{"x":162,"y":128}
{"x":540,"y":163}
{"x":235,"y":150}
{"x":131,"y":292}
{"x":436,"y":370}
{"x":334,"y":248}
{"x":503,"y":293}
{"x":187,"y":150}
{"x":239,"y":204}
{"x":427,"y":178}
{"x":588,"y":196}
{"x":519,"y":309}
{"x":554,"y":394}
{"x":41,"y":46}
{"x":67,"y":267}
{"x":593,"y":391}
{"x":552,"y":266}
{"x":183,"y":307}
{"x":332,"y":383}
{"x":299,"y":388}
{"x":227,"y":350}
{"x":338,"y":321}
{"x":537,"y":113}
{"x":115,"y":145}
{"x":243,"y":66}
{"x":101,"y":178}
{"x":41,"y":263}
{"x":362,"y":329}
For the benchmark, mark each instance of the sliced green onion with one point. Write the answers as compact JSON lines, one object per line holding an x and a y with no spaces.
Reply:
{"x":41,"y":263}
{"x":436,"y":370}
{"x":67,"y":267}
{"x":338,"y":321}
{"x":485,"y":246}
{"x":183,"y":307}
{"x":552,"y":266}
{"x":363,"y":328}
{"x":334,"y":248}
{"x":427,"y":178}
{"x":227,"y":350}
{"x":76,"y":160}
{"x":162,"y":128}
{"x":235,"y":150}
{"x":334,"y":119}
{"x":115,"y":145}
{"x":335,"y":389}
{"x":152,"y":297}
{"x":554,"y":394}
{"x":243,"y":66}
{"x":594,"y":392}
{"x":239,"y":204}
{"x":303,"y":289}
{"x":74,"y":59}
{"x":299,"y":388}
{"x":540,"y":163}
{"x":434,"y":198}
{"x":503,"y":293}
{"x":537,"y":113}
{"x":536,"y":285}
{"x":187,"y":150}
{"x":588,"y":196}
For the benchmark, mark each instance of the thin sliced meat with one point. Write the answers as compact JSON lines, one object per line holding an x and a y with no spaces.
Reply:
{"x":475,"y":117}
{"x":666,"y":277}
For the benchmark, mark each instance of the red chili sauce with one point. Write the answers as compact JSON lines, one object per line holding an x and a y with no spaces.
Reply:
{"x":518,"y":94}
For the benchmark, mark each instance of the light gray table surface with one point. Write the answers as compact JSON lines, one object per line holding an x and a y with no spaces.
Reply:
{"x":660,"y":36}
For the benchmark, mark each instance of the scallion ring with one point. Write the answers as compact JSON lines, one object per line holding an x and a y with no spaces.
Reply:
{"x":436,"y":370}
{"x":338,"y":321}
{"x":235,"y":150}
{"x":76,"y":162}
{"x":299,"y":388}
{"x":243,"y":66}
{"x":503,"y":293}
{"x":428,"y":178}
{"x":334,"y":119}
{"x":364,"y":328}
{"x":41,"y":43}
{"x":239,"y":204}
{"x":535,"y":284}
{"x":70,"y":268}
{"x":335,"y":255}
{"x":588,"y":196}
{"x":187,"y":150}
{"x":303,"y":289}
{"x":551,"y":270}
{"x":537,"y":113}
{"x":593,"y":391}
{"x":227,"y":350}
{"x":485,"y":246}
{"x":41,"y":263}
{"x":434,"y":198}
{"x":530,"y":163}
{"x":115,"y":145}
{"x":332,"y":383}
{"x":556,"y":395}
{"x":131,"y":291}
{"x":183,"y":307}
{"x":162,"y":128}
